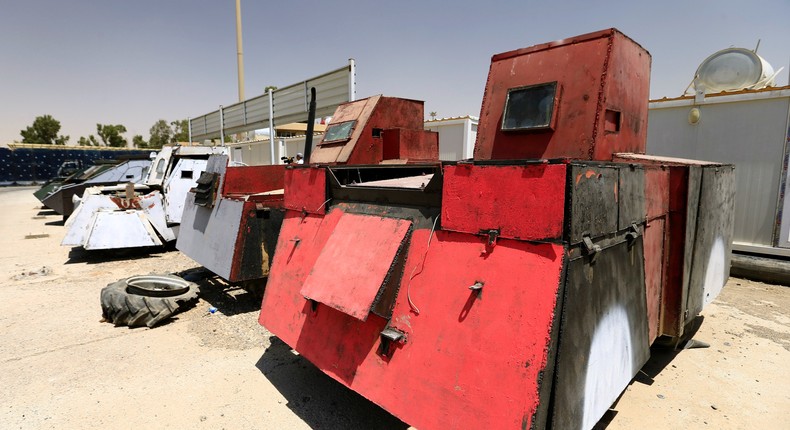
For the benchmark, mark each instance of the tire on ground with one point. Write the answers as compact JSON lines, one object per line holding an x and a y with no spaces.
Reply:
{"x":145,"y":300}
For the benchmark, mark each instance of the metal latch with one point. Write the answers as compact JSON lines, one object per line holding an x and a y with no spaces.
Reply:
{"x":477,"y":288}
{"x":389,"y":337}
{"x":633,"y":233}
{"x":492,"y":234}
{"x":590,"y":248}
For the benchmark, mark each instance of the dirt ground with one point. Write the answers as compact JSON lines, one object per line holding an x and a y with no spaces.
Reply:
{"x":60,"y":367}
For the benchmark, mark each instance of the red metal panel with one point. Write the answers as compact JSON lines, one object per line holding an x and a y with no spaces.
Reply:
{"x":354,"y":263}
{"x":410,"y":145}
{"x":366,"y":143}
{"x":594,"y":73}
{"x":626,"y":91}
{"x":677,"y":195}
{"x":244,"y":180}
{"x":654,"y":242}
{"x":460,"y":347}
{"x":656,"y":191}
{"x":305,"y":189}
{"x":523,"y":202}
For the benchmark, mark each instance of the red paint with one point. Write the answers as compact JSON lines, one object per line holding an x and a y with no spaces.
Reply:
{"x":463,"y":365}
{"x":124,"y":203}
{"x":522,"y":202}
{"x":594,"y":72}
{"x":476,"y":359}
{"x":670,"y":181}
{"x":246,"y":180}
{"x":305,"y":189}
{"x":656,"y":191}
{"x":247,"y":212}
{"x":654,"y":242}
{"x":379,"y":118}
{"x":353,"y":264}
{"x":410,"y":145}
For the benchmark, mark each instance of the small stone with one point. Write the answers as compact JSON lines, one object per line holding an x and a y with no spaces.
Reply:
{"x":726,"y":344}
{"x":203,"y":418}
{"x":714,"y":407}
{"x":660,"y":396}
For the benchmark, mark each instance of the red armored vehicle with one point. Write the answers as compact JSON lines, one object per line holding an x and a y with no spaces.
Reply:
{"x":232,"y":218}
{"x":522,"y":288}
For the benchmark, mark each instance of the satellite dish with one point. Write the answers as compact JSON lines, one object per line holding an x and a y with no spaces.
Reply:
{"x":733,"y":69}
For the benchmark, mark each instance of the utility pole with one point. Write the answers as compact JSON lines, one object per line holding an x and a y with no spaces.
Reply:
{"x":239,"y":51}
{"x":239,"y":56}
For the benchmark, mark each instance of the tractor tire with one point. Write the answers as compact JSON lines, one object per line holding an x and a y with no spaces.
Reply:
{"x":145,"y":300}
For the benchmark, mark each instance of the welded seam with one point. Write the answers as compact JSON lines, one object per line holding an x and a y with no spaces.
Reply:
{"x":601,"y":95}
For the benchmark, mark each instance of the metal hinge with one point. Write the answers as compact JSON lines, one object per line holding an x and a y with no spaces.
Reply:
{"x":590,"y":248}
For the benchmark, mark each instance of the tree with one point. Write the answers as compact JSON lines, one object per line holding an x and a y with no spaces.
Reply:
{"x":160,"y":134}
{"x":433,"y":115}
{"x":44,"y":131}
{"x":180,"y":131}
{"x":111,"y":135}
{"x":269,"y":87}
{"x":138,"y":142}
{"x":89,"y":141}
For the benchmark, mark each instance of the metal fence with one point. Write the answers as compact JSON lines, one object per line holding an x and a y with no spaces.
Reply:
{"x":281,"y":106}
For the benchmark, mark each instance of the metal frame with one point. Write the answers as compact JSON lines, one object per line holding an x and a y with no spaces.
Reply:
{"x":283,"y":105}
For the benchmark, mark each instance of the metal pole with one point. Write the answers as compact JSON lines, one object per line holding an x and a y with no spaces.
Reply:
{"x":271,"y":125}
{"x":308,"y":142}
{"x":221,"y":127}
{"x":352,"y":80}
{"x":189,"y":128}
{"x":239,"y":51}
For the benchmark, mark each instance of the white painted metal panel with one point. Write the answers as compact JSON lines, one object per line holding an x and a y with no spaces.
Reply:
{"x":183,"y":177}
{"x":79,"y":222}
{"x":153,"y":205}
{"x":208,"y":235}
{"x":120,"y":229}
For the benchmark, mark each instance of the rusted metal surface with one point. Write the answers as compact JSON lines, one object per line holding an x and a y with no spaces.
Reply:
{"x":241,"y":181}
{"x":453,"y":326}
{"x":307,"y":188}
{"x":376,"y":119}
{"x":604,"y":333}
{"x":236,"y":235}
{"x":409,"y":145}
{"x":479,"y":198}
{"x":699,"y":234}
{"x":355,"y":263}
{"x":529,"y":291}
{"x":608,"y":71}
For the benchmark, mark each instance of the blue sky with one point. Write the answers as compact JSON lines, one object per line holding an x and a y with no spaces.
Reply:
{"x":133,"y":62}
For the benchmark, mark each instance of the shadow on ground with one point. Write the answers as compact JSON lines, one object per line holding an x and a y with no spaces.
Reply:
{"x":81,"y":255}
{"x":229,"y":299}
{"x":662,"y":352}
{"x":318,"y":399}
